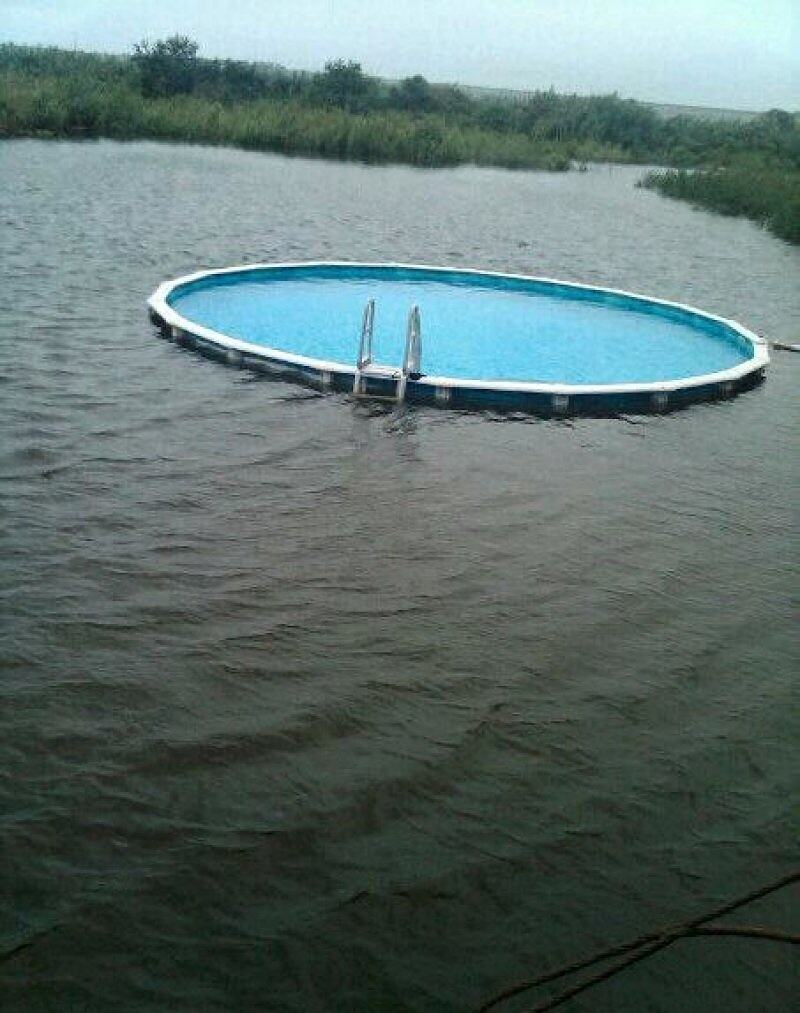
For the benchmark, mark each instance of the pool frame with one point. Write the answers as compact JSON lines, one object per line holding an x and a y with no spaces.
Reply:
{"x":455,"y":392}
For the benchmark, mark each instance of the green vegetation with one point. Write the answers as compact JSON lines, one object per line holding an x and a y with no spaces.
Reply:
{"x":163,"y":90}
{"x":160,"y":94}
{"x":767,"y":195}
{"x":53,"y":108}
{"x":166,"y":67}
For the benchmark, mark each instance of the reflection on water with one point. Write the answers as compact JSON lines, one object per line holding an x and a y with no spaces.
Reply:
{"x":316,"y":705}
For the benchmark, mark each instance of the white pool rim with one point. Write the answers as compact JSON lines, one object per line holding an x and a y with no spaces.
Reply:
{"x":159,"y":304}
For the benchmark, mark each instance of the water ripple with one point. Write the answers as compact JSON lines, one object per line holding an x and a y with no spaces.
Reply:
{"x":314,"y":705}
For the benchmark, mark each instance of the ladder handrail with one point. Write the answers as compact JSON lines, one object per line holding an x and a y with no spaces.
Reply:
{"x":412,"y":356}
{"x":365,"y":346}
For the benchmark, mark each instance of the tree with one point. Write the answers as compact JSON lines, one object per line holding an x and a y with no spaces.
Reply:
{"x":779,"y":120}
{"x":167,"y":66}
{"x":449,"y":98}
{"x":413,"y":94}
{"x":344,"y":84}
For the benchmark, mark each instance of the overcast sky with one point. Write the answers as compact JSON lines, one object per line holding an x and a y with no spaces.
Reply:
{"x":732,"y":53}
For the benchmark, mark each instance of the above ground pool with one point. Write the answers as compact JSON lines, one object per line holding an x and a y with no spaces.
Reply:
{"x":461,"y":338}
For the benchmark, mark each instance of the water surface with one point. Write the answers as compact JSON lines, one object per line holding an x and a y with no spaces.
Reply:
{"x":474,"y":327}
{"x":307,"y":705}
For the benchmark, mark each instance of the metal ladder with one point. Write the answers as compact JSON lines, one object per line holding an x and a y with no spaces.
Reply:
{"x":364,"y":349}
{"x":412,"y":357}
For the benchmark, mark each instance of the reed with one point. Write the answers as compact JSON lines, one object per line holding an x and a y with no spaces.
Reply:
{"x":767,"y":195}
{"x":80,"y":106}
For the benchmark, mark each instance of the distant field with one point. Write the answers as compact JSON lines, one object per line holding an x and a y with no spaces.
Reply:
{"x":517,"y":96}
{"x":664,"y":110}
{"x":703,"y":113}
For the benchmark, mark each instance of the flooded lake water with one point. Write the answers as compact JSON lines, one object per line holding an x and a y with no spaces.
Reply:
{"x":314,"y":705}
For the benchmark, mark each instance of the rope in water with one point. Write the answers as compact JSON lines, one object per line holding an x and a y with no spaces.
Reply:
{"x":633,"y":951}
{"x":646,"y":945}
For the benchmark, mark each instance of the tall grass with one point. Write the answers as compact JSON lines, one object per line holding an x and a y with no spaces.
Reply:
{"x":84,"y":107}
{"x":765,"y":194}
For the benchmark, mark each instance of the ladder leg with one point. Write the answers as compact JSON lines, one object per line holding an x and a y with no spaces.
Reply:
{"x":365,"y":347}
{"x":412,"y":355}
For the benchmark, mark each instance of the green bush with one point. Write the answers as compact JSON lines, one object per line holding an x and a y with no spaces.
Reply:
{"x":767,"y":195}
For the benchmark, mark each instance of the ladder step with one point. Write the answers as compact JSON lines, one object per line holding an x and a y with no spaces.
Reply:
{"x":366,"y":369}
{"x":374,"y":371}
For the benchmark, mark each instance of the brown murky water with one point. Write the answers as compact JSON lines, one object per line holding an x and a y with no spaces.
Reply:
{"x":311,"y":705}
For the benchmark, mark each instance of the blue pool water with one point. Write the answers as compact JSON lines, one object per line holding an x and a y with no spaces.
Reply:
{"x":473,"y":327}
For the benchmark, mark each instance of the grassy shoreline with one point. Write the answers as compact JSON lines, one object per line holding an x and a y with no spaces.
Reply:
{"x":767,"y":196}
{"x":750,"y":169}
{"x":46,"y":107}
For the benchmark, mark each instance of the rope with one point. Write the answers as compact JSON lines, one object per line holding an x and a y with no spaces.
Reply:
{"x":748,"y":931}
{"x":645,"y":946}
